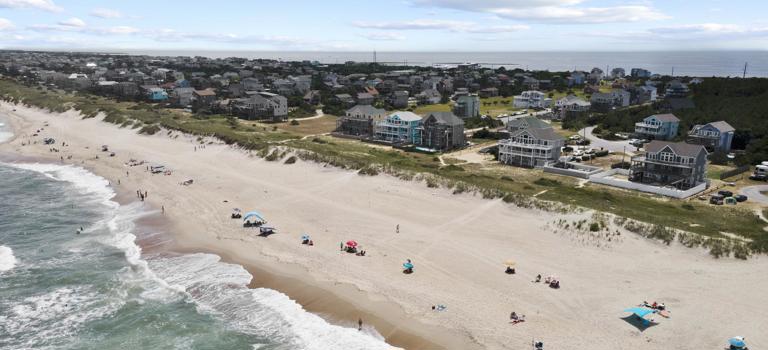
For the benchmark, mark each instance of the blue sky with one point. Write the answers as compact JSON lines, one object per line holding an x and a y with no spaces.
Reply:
{"x":386,"y":25}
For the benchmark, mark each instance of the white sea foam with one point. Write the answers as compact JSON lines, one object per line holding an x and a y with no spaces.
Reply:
{"x":216,"y":288}
{"x":7,"y":260}
{"x":222,"y":289}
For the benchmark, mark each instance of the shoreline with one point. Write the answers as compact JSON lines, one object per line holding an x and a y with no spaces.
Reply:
{"x":457,"y":242}
{"x":155,"y":235}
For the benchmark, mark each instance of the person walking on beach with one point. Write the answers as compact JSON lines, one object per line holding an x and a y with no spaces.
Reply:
{"x":359,"y":324}
{"x":162,"y":209}
{"x":397,"y":228}
{"x":146,"y":194}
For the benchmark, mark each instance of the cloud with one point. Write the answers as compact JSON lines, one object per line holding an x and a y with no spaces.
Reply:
{"x":106,"y":13}
{"x":6,"y":24}
{"x":690,"y":33}
{"x":73,"y":22}
{"x":383,"y":36}
{"x":46,"y":5}
{"x":551,"y":11}
{"x":576,"y":15}
{"x":709,"y":29}
{"x":430,"y":24}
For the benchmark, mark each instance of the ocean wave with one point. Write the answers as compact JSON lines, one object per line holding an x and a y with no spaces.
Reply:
{"x":7,"y":260}
{"x":222,"y":289}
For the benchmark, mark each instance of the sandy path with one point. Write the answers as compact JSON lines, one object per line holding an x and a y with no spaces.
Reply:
{"x":458,"y":244}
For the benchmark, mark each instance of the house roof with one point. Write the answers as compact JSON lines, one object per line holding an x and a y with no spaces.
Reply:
{"x":667,"y":117}
{"x":406,"y":116}
{"x":366,"y":109}
{"x":527,"y":123}
{"x":680,"y":148}
{"x":206,"y":92}
{"x":722,"y":126}
{"x":541,"y":134}
{"x":446,"y":118}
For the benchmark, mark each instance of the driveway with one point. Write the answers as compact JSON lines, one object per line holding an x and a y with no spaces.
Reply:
{"x":613,"y":146}
{"x":753,"y":192}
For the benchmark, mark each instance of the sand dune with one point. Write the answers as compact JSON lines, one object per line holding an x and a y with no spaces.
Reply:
{"x":457,"y":242}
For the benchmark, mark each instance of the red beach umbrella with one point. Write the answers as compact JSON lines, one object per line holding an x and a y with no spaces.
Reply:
{"x":352,"y":244}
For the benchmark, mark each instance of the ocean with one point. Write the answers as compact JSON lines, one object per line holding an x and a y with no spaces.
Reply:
{"x":60,"y":289}
{"x":679,"y":63}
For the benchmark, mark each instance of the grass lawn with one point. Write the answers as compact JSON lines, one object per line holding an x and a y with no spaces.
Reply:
{"x":714,"y":171}
{"x":322,"y":125}
{"x":441,"y":107}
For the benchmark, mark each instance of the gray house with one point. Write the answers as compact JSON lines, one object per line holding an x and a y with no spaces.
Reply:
{"x":678,"y":164}
{"x":715,"y":136}
{"x":658,"y":127}
{"x":442,"y":131}
{"x":532,"y":147}
{"x":526,"y":123}
{"x":359,"y":120}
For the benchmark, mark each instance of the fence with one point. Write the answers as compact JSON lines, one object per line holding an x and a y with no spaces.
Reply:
{"x":605,"y":178}
{"x":734,"y":172}
{"x":573,"y":169}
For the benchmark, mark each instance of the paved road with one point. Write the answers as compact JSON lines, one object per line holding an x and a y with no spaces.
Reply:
{"x":753,"y":192}
{"x":613,"y":146}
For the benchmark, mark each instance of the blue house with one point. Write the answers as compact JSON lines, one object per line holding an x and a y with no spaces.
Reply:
{"x":157,"y":94}
{"x":183,"y":83}
{"x":658,"y":127}
{"x":400,"y":128}
{"x":715,"y":136}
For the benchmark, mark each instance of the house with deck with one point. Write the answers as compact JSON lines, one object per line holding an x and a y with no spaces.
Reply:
{"x":359,"y":121}
{"x":571,"y":106}
{"x":670,"y":164}
{"x":658,"y":127}
{"x":532,"y":99}
{"x":715,"y":136}
{"x":441,"y":131}
{"x":399,"y":128}
{"x":531,"y":147}
{"x":467,"y":106}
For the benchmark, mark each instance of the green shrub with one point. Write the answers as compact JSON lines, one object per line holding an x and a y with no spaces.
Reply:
{"x":149,"y":129}
{"x":594,"y":227}
{"x":294,"y":122}
{"x":290,"y":160}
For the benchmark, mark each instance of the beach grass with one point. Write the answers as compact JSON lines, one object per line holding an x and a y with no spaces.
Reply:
{"x":511,"y":184}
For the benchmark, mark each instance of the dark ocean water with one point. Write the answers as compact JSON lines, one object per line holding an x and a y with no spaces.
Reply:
{"x":684,"y":63}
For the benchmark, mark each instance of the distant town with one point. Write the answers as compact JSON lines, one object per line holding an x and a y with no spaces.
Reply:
{"x":535,"y":118}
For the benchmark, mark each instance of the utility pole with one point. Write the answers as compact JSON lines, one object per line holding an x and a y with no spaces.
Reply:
{"x":745,"y":71}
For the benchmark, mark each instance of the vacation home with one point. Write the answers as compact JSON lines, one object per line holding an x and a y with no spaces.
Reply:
{"x":399,"y":128}
{"x":532,"y":147}
{"x":658,"y":127}
{"x":677,"y":164}
{"x":359,"y":121}
{"x":441,"y":131}
{"x":715,"y":136}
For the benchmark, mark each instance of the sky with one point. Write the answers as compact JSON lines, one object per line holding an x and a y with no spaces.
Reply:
{"x":385,"y":25}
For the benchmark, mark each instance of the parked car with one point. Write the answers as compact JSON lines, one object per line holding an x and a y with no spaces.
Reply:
{"x":758,"y":177}
{"x":725,"y":193}
{"x":741,"y":198}
{"x":716,"y":199}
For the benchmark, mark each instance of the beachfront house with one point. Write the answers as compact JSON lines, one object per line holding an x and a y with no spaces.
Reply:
{"x":571,"y":106}
{"x":658,"y":127}
{"x":202,"y":99}
{"x":261,"y":106}
{"x":441,"y":131}
{"x":715,"y":136}
{"x":605,"y":101}
{"x":676,"y":164}
{"x":359,"y":121}
{"x":532,"y":99}
{"x":532,"y":147}
{"x":467,"y":106}
{"x":399,"y":128}
{"x":640,"y":73}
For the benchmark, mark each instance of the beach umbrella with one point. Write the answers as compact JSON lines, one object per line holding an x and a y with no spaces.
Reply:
{"x":305,"y":237}
{"x":408,"y":265}
{"x":352,"y":244}
{"x":737,"y":342}
{"x":253,"y":215}
{"x":510,"y":263}
{"x":640,"y":311}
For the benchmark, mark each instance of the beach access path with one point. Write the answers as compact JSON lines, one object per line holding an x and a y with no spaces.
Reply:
{"x":458,"y":244}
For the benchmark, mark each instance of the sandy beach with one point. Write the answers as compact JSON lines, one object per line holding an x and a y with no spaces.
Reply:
{"x":458,"y":244}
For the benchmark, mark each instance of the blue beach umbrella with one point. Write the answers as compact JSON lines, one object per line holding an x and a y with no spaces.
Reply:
{"x":737,"y":342}
{"x":408,"y":265}
{"x":253,"y":214}
{"x":640,"y":311}
{"x":305,"y":237}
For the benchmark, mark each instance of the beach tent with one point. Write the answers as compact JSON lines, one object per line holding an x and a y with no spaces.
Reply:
{"x":737,"y":342}
{"x":253,"y":216}
{"x":510,"y":263}
{"x":641,"y":312}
